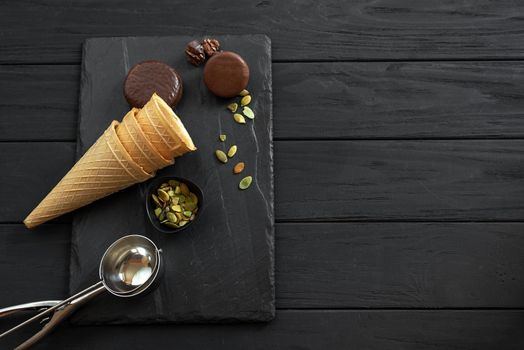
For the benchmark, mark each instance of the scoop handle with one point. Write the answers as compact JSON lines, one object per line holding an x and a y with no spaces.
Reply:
{"x":61,"y":304}
{"x":58,"y":317}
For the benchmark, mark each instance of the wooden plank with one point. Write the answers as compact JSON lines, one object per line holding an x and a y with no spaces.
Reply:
{"x":333,"y":180}
{"x":34,"y":264}
{"x":48,"y":31}
{"x":315,"y":100}
{"x":346,"y":265}
{"x":372,"y":330}
{"x":399,"y":100}
{"x":399,"y":265}
{"x":28,"y":171}
{"x":399,"y":180}
{"x":38,"y":102}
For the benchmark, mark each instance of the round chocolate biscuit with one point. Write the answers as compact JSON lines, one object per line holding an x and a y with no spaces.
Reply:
{"x":226,"y":74}
{"x":148,"y":77}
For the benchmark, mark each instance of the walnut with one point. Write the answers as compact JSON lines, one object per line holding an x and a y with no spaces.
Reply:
{"x":210,"y":46}
{"x":195,"y":53}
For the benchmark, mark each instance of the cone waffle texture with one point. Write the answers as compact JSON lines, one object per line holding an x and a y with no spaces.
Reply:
{"x":138,"y":146}
{"x":164,"y":129}
{"x":104,"y":169}
{"x":175,"y":128}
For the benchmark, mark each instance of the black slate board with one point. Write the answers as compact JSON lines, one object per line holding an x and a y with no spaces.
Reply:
{"x":221,"y":268}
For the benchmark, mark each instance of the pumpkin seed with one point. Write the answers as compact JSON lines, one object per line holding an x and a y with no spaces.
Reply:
{"x":164,"y":197}
{"x":221,"y":156}
{"x":171,"y":193}
{"x":187,"y":213}
{"x":193,"y":197}
{"x":244,"y":92}
{"x":181,"y":199}
{"x":171,"y":224}
{"x":248,"y":112}
{"x":183,"y":223}
{"x":162,"y":216}
{"x":184,"y":189}
{"x":173,"y":183}
{"x":237,"y":169}
{"x":156,"y":200}
{"x":245,"y":182}
{"x":232,"y":151}
{"x":177,"y":189}
{"x":164,"y":184}
{"x":174,"y":200}
{"x":176,"y":208}
{"x":222,"y":137}
{"x":171,"y":217}
{"x":239,"y":118}
{"x":232,"y":107}
{"x":245,"y":100}
{"x":158,"y":211}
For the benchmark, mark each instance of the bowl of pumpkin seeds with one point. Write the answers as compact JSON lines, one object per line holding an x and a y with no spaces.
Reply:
{"x":173,"y":203}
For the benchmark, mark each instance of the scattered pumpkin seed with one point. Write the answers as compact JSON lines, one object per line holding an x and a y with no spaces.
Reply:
{"x":245,"y":100}
{"x":239,"y":118}
{"x":222,"y":137}
{"x":164,"y":197}
{"x":248,"y":112}
{"x":232,"y":151}
{"x":245,"y":182}
{"x":238,"y":168}
{"x":221,"y":156}
{"x":243,"y":93}
{"x":232,"y":107}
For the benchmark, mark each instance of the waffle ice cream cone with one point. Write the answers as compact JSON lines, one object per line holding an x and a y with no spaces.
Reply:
{"x":175,"y":127}
{"x":105,"y":168}
{"x":138,"y":146}
{"x":164,"y":129}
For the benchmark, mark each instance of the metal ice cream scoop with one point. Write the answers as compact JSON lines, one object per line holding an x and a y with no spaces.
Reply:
{"x":129,"y":267}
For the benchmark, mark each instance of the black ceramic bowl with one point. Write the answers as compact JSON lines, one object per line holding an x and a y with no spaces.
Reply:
{"x":153,"y":185}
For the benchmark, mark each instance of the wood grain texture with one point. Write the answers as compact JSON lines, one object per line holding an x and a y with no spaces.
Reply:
{"x":333,"y":180}
{"x":399,"y":265}
{"x":399,"y":180}
{"x":50,"y":31}
{"x":399,"y":100}
{"x":38,"y":102}
{"x":350,"y":265}
{"x":28,"y":171}
{"x":315,"y":100}
{"x":34,"y":264}
{"x":371,"y":330}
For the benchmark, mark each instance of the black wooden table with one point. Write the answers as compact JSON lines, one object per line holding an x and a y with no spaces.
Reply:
{"x":399,"y":157}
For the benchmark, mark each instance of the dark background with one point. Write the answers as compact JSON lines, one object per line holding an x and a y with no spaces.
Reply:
{"x":399,"y":156}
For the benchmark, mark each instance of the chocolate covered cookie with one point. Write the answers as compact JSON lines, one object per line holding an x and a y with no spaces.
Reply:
{"x":226,"y":74}
{"x":148,"y":77}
